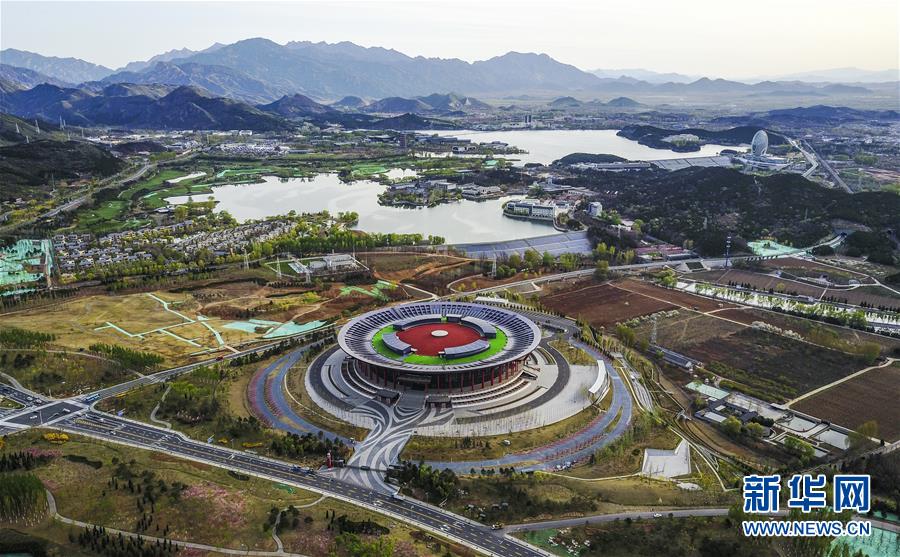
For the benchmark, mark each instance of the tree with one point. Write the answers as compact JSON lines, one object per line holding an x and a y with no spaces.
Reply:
{"x":755,"y":430}
{"x":731,"y":426}
{"x":532,"y":259}
{"x":181,"y":212}
{"x":568,"y":261}
{"x":801,"y":449}
{"x":515,"y":261}
{"x":862,"y":435}
{"x":626,"y":334}
{"x":547,"y":259}
{"x":858,"y":320}
{"x":602,"y":270}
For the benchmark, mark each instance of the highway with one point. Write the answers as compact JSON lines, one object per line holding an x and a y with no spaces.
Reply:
{"x":113,"y":429}
{"x":829,"y":170}
{"x":76,"y":417}
{"x":74,"y":203}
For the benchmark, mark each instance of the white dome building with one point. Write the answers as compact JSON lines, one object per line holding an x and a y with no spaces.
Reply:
{"x":760,"y":144}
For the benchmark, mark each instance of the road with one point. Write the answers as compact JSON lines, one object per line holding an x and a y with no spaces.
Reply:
{"x":810,"y":158}
{"x":829,"y":170}
{"x":74,"y":203}
{"x":77,"y":417}
{"x":97,"y":425}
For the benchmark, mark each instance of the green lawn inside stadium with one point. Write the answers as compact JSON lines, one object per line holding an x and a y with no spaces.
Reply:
{"x":496,"y":344}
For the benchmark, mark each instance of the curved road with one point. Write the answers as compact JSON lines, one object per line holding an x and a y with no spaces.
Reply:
{"x":269,"y":400}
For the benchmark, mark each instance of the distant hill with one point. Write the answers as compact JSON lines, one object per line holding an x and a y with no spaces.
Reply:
{"x":140,"y":106}
{"x":165,"y":57}
{"x":26,"y":167}
{"x":454,"y":102}
{"x":571,"y":103}
{"x":15,"y":130}
{"x":817,"y":115}
{"x":218,"y":80}
{"x":412,"y":122}
{"x":645,"y":75}
{"x":398,"y":104}
{"x":13,"y":78}
{"x":565,"y":102}
{"x":623,"y":102}
{"x":261,"y":71}
{"x":843,"y":75}
{"x":68,"y":70}
{"x":575,"y":158}
{"x":433,"y":104}
{"x":652,"y":136}
{"x":296,"y":106}
{"x":334,"y":70}
{"x":350,"y":102}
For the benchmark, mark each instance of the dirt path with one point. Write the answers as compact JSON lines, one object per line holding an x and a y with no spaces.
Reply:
{"x":153,"y":417}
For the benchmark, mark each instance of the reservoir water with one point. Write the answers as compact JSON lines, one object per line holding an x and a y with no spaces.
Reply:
{"x":546,"y":146}
{"x":461,"y":222}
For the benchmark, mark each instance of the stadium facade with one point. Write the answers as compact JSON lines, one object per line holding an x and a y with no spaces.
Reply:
{"x":439,"y":347}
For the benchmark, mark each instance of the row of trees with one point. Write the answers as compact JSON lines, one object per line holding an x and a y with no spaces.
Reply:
{"x":100,"y":542}
{"x":297,"y":446}
{"x":132,"y":359}
{"x":21,"y":460}
{"x":437,"y":485}
{"x":22,"y":497}
{"x":14,"y":337}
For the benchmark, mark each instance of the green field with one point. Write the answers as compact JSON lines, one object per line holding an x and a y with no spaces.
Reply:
{"x":367,"y":169}
{"x":497,"y":344}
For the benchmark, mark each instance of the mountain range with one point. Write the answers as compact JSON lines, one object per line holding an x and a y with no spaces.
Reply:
{"x":69,"y":70}
{"x":262,"y":71}
{"x":155,"y":106}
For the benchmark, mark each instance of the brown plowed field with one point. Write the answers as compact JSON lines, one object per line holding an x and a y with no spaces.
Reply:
{"x":870,"y":396}
{"x":676,"y":297}
{"x":759,"y":281}
{"x":601,"y":305}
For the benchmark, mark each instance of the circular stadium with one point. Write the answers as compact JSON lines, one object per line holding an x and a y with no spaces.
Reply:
{"x":439,"y":347}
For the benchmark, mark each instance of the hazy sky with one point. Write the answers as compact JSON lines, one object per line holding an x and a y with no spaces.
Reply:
{"x":708,"y":37}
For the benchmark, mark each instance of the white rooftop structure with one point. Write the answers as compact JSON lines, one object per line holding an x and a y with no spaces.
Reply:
{"x":760,"y":143}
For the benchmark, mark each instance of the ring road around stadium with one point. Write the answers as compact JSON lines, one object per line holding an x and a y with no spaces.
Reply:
{"x":443,"y":349}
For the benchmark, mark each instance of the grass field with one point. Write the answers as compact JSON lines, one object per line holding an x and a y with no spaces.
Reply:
{"x":497,"y":344}
{"x":213,"y":507}
{"x":541,"y":496}
{"x":687,"y":537}
{"x":61,"y":374}
{"x":132,"y":320}
{"x":620,"y":461}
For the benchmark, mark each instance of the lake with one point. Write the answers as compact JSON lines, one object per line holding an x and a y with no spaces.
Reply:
{"x":461,"y":222}
{"x":546,"y":146}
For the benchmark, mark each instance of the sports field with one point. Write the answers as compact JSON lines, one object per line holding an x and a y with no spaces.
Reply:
{"x":495,"y":346}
